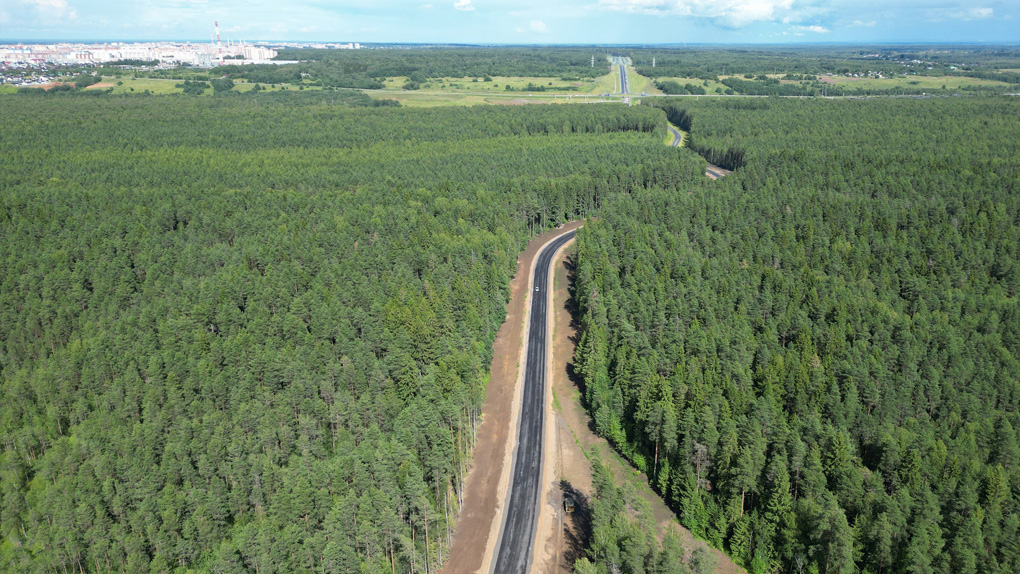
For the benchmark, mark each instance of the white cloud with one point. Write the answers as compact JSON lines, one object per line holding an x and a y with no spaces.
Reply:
{"x":464,"y":5}
{"x":972,"y":14}
{"x":539,"y":26}
{"x":58,"y":9}
{"x":868,"y":24}
{"x":733,"y":13}
{"x":816,"y":29}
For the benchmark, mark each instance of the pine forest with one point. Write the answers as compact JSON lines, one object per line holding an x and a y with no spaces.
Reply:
{"x":250,"y":330}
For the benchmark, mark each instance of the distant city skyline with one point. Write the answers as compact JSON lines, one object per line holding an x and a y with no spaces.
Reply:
{"x":517,"y":22}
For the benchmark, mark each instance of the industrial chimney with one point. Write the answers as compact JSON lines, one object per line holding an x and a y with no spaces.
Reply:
{"x":219,"y":49}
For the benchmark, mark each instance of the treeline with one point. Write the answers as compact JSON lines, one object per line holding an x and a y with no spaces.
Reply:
{"x":533,"y":87}
{"x":766,"y":86}
{"x":815,"y":359}
{"x":461,"y":62}
{"x":241,"y":336}
{"x":770,"y":87}
{"x":705,"y":63}
{"x":292,"y":122}
{"x":1011,"y":77}
{"x":674,"y":88}
{"x":367,"y":69}
{"x":709,"y":63}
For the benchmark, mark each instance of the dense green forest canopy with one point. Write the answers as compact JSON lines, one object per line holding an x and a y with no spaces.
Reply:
{"x":252,"y":334}
{"x":625,"y":534}
{"x":817,"y":358}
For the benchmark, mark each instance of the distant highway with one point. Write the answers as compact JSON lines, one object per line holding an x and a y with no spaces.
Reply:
{"x":624,"y":88}
{"x":520,"y":521}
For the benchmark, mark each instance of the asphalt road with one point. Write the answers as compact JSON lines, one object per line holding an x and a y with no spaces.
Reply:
{"x":624,"y":88}
{"x":677,"y":137}
{"x":520,"y":521}
{"x":711,"y":169}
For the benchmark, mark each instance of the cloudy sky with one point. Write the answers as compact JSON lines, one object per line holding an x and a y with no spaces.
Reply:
{"x":518,"y":21}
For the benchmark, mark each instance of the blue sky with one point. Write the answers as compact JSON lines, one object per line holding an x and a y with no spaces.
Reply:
{"x":518,"y":21}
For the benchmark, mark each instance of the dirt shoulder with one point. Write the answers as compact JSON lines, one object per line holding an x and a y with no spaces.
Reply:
{"x":573,"y":440}
{"x":715,"y":172}
{"x":478,"y":526}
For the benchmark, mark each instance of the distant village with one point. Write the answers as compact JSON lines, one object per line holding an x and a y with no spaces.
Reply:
{"x":28,"y":64}
{"x":24,"y":64}
{"x":192,"y":54}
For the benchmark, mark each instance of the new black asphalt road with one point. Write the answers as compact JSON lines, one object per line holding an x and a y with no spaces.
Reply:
{"x":517,"y":536}
{"x":624,"y":88}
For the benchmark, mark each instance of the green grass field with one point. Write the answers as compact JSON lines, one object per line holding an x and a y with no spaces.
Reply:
{"x":639,"y":84}
{"x":465,"y":92}
{"x":929,"y":82}
{"x":606,"y":84}
{"x":440,"y":92}
{"x":498,"y":84}
{"x":157,"y":86}
{"x":160,"y":86}
{"x":518,"y":85}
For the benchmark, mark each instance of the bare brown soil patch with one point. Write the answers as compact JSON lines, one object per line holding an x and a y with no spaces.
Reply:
{"x":482,"y":493}
{"x":715,"y":172}
{"x":100,"y":86}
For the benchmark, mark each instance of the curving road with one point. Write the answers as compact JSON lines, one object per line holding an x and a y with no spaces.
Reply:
{"x":712,"y":171}
{"x":517,"y":534}
{"x":678,"y":138}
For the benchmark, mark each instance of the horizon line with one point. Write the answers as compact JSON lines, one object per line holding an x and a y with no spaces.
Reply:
{"x":5,"y":41}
